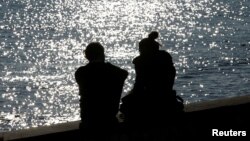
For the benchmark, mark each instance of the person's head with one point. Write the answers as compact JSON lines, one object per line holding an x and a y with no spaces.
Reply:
{"x":149,"y":45}
{"x":153,"y":35}
{"x":94,"y":52}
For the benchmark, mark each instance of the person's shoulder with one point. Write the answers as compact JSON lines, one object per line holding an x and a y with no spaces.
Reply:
{"x":137,"y":60}
{"x":116,"y":68}
{"x":79,"y":73}
{"x":80,"y":69}
{"x":165,"y":54}
{"x":113,"y":66}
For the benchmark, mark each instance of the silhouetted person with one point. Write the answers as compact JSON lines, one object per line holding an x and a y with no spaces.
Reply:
{"x":100,"y":86}
{"x":155,"y":72}
{"x":152,"y":101}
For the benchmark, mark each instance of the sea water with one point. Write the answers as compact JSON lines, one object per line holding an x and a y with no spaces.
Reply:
{"x":42,"y":43}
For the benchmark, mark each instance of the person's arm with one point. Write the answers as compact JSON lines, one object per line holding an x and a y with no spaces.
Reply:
{"x":78,"y":79}
{"x":172,"y":70}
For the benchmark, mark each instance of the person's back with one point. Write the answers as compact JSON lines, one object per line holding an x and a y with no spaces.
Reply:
{"x":155,"y":73}
{"x":152,"y":101}
{"x":100,"y":86}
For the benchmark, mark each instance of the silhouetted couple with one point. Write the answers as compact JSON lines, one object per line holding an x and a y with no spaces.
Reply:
{"x":151,"y":101}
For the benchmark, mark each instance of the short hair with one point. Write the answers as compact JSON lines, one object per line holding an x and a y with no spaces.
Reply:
{"x":94,"y":51}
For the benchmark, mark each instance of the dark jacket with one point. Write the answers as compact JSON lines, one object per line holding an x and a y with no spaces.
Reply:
{"x":100,"y":86}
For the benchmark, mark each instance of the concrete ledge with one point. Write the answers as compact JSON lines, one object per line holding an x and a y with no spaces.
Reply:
{"x":38,"y":131}
{"x":197,"y":114}
{"x":198,"y":106}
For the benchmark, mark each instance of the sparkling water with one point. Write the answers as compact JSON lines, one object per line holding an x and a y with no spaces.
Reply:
{"x":42,"y":43}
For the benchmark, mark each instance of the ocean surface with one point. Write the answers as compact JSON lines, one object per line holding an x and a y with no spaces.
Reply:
{"x":41,"y":45}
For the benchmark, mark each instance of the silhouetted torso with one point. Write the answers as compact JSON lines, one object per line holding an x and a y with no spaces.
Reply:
{"x":100,"y":87}
{"x":152,"y":101}
{"x":154,"y":73}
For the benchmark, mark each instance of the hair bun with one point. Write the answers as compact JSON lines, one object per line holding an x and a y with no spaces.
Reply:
{"x":153,"y":35}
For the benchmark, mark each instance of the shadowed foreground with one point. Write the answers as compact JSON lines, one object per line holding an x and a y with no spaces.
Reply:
{"x":198,"y":121}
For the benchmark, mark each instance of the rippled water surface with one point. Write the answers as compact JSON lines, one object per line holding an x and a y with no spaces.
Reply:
{"x":41,"y":43}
